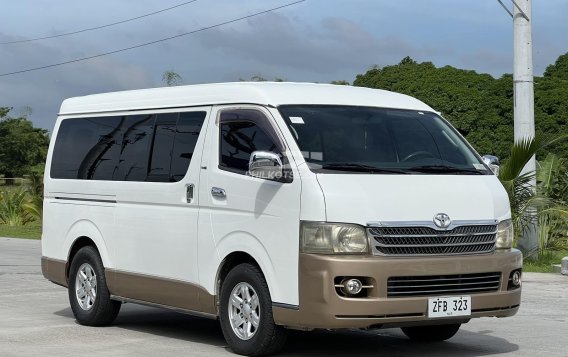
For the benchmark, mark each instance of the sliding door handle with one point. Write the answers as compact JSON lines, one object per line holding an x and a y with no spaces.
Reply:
{"x":218,"y":192}
{"x":189,"y":193}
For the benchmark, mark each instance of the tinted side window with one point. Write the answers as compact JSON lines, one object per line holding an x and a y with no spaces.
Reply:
{"x":146,"y":147}
{"x":242,"y":132}
{"x":87,"y":148}
{"x":162,"y":146}
{"x":135,"y":147}
{"x":187,"y":131}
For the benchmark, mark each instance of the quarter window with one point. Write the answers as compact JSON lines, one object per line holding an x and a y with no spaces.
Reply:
{"x":87,"y":148}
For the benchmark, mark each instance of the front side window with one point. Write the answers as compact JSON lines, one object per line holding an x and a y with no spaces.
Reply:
{"x":336,"y":139}
{"x":244,"y":131}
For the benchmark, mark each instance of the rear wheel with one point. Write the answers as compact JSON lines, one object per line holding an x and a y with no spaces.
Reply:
{"x":431,"y":333}
{"x":88,"y":293}
{"x":246,"y":313}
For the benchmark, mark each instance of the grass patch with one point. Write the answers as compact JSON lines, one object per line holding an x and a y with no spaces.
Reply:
{"x":29,"y":231}
{"x":544,"y":262}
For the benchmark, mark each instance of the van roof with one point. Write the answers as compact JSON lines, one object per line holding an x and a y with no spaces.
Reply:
{"x":264,"y":93}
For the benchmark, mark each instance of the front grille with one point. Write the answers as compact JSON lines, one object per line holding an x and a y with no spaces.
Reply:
{"x":401,"y":241}
{"x":403,"y":286}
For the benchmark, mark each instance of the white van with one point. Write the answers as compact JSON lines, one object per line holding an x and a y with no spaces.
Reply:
{"x":272,"y":206}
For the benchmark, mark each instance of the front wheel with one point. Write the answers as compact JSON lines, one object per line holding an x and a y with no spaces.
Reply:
{"x":246,"y":313}
{"x":431,"y":333}
{"x":88,"y":293}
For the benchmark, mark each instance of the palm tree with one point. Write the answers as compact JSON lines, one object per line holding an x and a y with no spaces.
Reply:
{"x":12,"y":210}
{"x":532,"y":206}
{"x":171,"y":78}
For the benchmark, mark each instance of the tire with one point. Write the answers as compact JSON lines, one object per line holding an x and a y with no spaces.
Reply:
{"x":91,"y":305}
{"x":247,"y":339}
{"x":433,"y":333}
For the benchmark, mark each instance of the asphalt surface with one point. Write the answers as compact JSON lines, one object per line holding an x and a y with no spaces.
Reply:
{"x":35,"y":320}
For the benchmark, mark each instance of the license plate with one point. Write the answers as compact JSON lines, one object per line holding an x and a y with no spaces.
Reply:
{"x":449,"y":306}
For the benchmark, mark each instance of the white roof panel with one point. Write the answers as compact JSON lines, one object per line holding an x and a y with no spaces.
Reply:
{"x":265,"y":93}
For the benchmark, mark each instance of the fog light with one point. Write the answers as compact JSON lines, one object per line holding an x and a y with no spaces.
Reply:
{"x":352,"y":286}
{"x":516,"y":278}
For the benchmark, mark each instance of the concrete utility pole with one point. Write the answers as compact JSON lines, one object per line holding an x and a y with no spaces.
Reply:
{"x":524,"y":97}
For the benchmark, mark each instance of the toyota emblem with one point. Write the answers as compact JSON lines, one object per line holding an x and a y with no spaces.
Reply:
{"x":442,"y":220}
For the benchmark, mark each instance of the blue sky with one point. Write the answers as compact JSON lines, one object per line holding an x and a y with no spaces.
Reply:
{"x":318,"y":40}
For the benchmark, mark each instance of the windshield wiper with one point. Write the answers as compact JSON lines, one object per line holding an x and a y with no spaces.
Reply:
{"x":346,"y":166}
{"x":445,"y":169}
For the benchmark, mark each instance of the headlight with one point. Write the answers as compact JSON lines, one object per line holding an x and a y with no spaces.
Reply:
{"x":504,"y":239}
{"x":330,"y":238}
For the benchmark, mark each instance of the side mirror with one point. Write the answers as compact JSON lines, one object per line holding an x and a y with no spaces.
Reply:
{"x":266,"y":165}
{"x":492,"y":162}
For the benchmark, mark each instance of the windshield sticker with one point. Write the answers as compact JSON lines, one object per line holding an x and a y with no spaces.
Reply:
{"x":479,"y":166}
{"x":316,"y":155}
{"x":297,"y":120}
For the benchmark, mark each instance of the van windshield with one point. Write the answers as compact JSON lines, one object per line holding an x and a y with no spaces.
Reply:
{"x":340,"y":139}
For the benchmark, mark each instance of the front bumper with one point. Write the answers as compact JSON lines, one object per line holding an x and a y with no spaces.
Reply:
{"x":321,"y":307}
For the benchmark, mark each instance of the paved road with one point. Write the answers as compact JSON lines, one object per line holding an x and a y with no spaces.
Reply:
{"x":35,"y":320}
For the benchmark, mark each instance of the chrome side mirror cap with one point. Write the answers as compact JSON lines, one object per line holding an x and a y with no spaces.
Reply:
{"x":492,"y":162}
{"x":266,"y":165}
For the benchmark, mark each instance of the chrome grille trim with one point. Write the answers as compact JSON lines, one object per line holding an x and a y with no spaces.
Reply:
{"x":463,"y":238}
{"x":443,"y":284}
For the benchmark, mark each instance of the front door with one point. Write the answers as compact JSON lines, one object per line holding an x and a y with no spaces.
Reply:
{"x":241,"y":213}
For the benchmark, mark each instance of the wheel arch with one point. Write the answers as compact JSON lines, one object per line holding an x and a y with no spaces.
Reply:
{"x":230,"y":261}
{"x":81,"y":234}
{"x":79,"y":243}
{"x":243,"y":247}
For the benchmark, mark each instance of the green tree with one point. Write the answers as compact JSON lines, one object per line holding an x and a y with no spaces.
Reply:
{"x":22,"y":146}
{"x":171,"y":78}
{"x":559,"y":69}
{"x":260,"y":78}
{"x":340,"y":82}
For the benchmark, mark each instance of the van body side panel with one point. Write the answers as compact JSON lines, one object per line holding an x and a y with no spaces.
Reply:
{"x":73,"y":209}
{"x":54,"y":270}
{"x":258,"y":217}
{"x":322,"y":307}
{"x":167,"y":292}
{"x":156,"y":229}
{"x":139,"y":228}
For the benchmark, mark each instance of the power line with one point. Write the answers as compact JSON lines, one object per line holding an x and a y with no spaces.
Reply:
{"x":152,"y":42}
{"x":98,"y":27}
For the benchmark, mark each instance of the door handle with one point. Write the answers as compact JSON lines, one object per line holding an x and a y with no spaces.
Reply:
{"x":218,"y":192}
{"x":189,"y":193}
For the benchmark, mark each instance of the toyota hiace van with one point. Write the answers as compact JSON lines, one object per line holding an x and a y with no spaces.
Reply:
{"x":275,"y":206}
